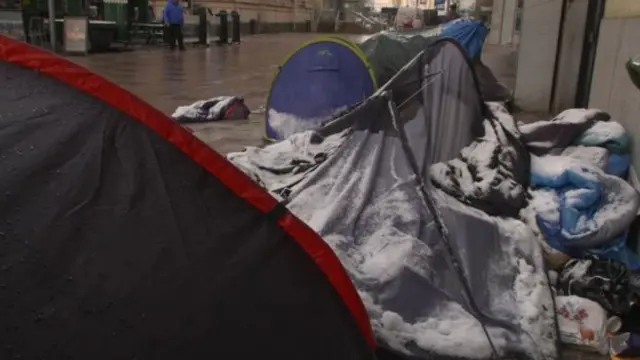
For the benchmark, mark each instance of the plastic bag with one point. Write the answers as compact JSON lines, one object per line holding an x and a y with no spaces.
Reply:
{"x":604,"y":281}
{"x":582,"y":322}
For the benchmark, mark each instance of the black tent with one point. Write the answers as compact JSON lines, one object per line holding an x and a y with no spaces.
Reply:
{"x":124,"y":237}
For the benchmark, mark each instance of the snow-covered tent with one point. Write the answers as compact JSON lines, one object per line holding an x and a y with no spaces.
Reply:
{"x":425,"y":229}
{"x":322,"y":78}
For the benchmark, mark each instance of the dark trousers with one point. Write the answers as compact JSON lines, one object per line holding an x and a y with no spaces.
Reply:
{"x":174,"y":33}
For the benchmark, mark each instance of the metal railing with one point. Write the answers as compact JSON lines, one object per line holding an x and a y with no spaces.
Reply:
{"x":367,"y":19}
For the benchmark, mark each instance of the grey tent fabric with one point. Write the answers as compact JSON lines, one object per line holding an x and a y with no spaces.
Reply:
{"x":437,"y":277}
{"x":492,"y":173}
{"x":448,"y":84}
{"x":491,"y":88}
{"x":545,"y":136}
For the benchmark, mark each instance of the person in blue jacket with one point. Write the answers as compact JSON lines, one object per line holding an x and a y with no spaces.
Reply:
{"x":173,"y":22}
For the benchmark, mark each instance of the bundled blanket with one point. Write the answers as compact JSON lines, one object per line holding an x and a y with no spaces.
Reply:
{"x":578,"y":205}
{"x":582,"y":204}
{"x":491,"y":173}
{"x":215,"y":109}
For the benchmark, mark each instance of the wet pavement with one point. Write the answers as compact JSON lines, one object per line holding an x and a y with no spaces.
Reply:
{"x":168,"y":79}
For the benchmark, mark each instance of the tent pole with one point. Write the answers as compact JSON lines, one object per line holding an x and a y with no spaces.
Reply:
{"x":52,"y":23}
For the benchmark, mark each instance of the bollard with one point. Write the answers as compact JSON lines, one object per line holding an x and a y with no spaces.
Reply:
{"x":223,"y":29}
{"x":235,"y":19}
{"x":230,"y":28}
{"x":253,"y":26}
{"x":203,"y":27}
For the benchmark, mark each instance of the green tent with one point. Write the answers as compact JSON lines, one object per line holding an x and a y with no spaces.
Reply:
{"x":388,"y":52}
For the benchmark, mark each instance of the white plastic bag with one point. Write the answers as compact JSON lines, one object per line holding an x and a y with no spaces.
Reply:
{"x":582,"y":322}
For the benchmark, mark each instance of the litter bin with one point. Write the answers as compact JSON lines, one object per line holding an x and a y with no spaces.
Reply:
{"x":118,"y":11}
{"x":223,"y":29}
{"x":235,"y":20}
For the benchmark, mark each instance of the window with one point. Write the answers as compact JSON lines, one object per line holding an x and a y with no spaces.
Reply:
{"x":9,"y":4}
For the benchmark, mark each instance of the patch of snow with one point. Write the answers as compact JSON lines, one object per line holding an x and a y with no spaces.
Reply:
{"x":578,"y":271}
{"x":287,"y":124}
{"x":617,"y":201}
{"x":546,"y":204}
{"x":297,"y":154}
{"x":551,"y":166}
{"x":592,"y":155}
{"x":449,"y":331}
{"x":506,"y":119}
{"x":532,"y":291}
{"x":603,"y":131}
{"x":577,"y":116}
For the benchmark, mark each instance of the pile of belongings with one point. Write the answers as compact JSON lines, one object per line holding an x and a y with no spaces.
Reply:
{"x":580,"y":201}
{"x":579,"y":204}
{"x":581,"y":207}
{"x":214,"y":109}
{"x":352,"y":186}
{"x":466,"y":234}
{"x":564,"y":178}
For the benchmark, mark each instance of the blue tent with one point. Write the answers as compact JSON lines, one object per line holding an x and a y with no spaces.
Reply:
{"x":469,"y":33}
{"x":321,"y":78}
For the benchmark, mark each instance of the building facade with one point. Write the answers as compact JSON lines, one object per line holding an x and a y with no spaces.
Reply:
{"x":264,"y":11}
{"x":422,"y":4}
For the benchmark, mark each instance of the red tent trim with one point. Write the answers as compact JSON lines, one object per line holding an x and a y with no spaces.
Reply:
{"x":52,"y":65}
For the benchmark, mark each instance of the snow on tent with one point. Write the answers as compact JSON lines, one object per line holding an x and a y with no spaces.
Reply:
{"x":124,"y":237}
{"x":323,"y":77}
{"x":388,"y":52}
{"x":417,"y":190}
